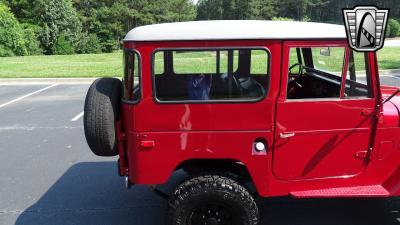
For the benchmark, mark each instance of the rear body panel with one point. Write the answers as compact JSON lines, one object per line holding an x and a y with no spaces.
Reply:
{"x":323,"y":155}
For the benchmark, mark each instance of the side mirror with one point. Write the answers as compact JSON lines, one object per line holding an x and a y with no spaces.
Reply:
{"x":325,"y":52}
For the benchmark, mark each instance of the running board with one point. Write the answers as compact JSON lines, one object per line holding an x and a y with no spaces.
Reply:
{"x":358,"y":191}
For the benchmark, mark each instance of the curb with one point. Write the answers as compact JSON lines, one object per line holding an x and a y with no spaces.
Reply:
{"x":389,"y":72}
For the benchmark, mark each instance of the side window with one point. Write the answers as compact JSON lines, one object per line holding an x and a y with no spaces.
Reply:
{"x":211,"y":75}
{"x":329,"y":60}
{"x":131,"y":79}
{"x":358,"y":83}
{"x":190,"y":62}
{"x":258,"y":65}
{"x":223,"y":56}
{"x":159,"y":61}
{"x":315,"y":72}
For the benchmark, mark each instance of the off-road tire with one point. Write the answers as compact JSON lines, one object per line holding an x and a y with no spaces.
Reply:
{"x":212,"y":189}
{"x":100,"y":114}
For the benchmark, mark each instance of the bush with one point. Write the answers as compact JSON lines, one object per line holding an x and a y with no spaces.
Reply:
{"x":393,"y":28}
{"x":109,"y":46}
{"x":6,"y":51}
{"x":282,"y":19}
{"x":306,"y":19}
{"x":63,"y":46}
{"x":88,"y":44}
{"x":11,"y":34}
{"x":32,"y":43}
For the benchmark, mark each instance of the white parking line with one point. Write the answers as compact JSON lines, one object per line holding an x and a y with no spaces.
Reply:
{"x":25,"y":96}
{"x":398,"y":78}
{"x":77,"y":117}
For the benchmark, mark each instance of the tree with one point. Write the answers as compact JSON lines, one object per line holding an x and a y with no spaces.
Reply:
{"x":26,"y":11}
{"x":31,"y":33}
{"x":393,"y":28}
{"x":63,"y":46}
{"x":11,"y":34}
{"x":268,"y":9}
{"x":210,"y":10}
{"x":246,"y":10}
{"x":111,"y":20}
{"x":59,"y":18}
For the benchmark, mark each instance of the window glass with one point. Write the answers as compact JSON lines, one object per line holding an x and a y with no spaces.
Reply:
{"x":329,"y":59}
{"x":159,"y":62}
{"x":131,"y":79}
{"x":224,"y":60}
{"x":315,"y":72}
{"x":294,"y":57}
{"x":358,"y":76}
{"x":195,"y":62}
{"x":212,"y":75}
{"x":259,"y":62}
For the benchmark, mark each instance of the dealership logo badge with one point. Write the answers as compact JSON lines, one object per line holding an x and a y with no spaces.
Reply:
{"x":365,"y":27}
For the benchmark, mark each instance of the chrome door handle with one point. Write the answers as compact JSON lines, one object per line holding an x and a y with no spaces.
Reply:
{"x":286,"y":135}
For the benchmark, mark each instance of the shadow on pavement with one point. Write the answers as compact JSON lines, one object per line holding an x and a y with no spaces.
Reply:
{"x":288,"y":211}
{"x":92,"y":193}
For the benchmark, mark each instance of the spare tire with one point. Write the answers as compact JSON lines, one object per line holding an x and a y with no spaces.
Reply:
{"x":101,"y":112}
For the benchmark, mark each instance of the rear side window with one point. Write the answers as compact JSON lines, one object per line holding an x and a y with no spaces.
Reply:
{"x":131,"y":79}
{"x":210,"y":75}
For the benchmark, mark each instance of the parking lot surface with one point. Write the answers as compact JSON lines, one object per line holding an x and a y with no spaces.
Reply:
{"x":49,"y":176}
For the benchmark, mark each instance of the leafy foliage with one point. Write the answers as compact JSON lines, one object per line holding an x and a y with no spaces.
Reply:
{"x":32,"y":44}
{"x":393,"y":29}
{"x":88,"y":44}
{"x":11,"y":34}
{"x":304,"y":10}
{"x":282,"y":19}
{"x":111,"y":20}
{"x":63,"y":46}
{"x":93,"y":26}
{"x":59,"y":18}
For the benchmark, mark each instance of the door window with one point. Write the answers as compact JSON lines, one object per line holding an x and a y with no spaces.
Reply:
{"x":358,"y":83}
{"x":315,"y":72}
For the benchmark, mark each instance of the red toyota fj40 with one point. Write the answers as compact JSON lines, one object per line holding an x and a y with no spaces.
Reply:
{"x":247,"y":108}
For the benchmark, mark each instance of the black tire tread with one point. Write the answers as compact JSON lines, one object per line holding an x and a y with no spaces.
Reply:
{"x":100,"y":113}
{"x":209,"y":183}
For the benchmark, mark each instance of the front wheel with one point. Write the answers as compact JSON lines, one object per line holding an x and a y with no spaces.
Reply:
{"x":212,"y":200}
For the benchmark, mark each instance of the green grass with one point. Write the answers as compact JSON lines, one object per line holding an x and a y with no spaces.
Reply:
{"x":389,"y":58}
{"x":96,"y":65}
{"x":109,"y":65}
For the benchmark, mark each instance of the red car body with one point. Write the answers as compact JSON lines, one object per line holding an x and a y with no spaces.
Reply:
{"x":314,"y":148}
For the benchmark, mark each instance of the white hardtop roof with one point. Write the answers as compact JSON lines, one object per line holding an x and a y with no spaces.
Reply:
{"x":236,"y":30}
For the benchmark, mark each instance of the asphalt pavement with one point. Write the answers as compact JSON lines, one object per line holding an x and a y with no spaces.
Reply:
{"x":49,"y":176}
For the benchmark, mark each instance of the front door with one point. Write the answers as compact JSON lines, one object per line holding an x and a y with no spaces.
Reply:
{"x":324,"y":112}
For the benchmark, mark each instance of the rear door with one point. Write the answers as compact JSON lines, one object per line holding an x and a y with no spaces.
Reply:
{"x":323,"y":118}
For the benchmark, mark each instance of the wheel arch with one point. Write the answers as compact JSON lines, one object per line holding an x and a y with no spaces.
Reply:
{"x":236,"y":168}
